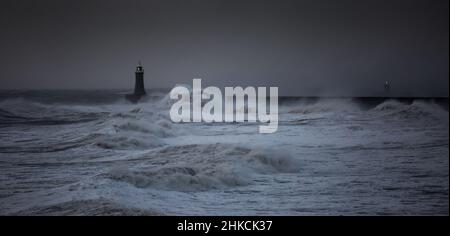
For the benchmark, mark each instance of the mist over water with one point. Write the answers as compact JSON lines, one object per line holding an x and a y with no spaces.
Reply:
{"x":92,"y":152}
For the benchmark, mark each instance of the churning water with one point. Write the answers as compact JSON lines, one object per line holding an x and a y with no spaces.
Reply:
{"x":93,"y":153}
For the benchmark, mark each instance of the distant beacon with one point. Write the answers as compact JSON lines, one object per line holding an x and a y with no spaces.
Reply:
{"x":387,"y":85}
{"x":139,"y":84}
{"x":139,"y":89}
{"x":387,"y":88}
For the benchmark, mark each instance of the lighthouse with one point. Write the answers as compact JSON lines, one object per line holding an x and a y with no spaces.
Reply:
{"x":139,"y":89}
{"x":387,"y":88}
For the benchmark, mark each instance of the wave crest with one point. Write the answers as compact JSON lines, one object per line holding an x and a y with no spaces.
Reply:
{"x":203,"y":167}
{"x":416,"y":110}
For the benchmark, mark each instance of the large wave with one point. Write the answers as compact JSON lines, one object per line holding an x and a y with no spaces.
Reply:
{"x":418,"y":109}
{"x":321,"y":106}
{"x":145,"y":125}
{"x":91,"y":207}
{"x":203,"y":167}
{"x":109,"y":126}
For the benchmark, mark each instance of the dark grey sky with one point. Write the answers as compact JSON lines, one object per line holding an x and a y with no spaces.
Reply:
{"x":305,"y":47}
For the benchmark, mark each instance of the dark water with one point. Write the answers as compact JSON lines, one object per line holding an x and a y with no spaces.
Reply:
{"x":94,"y":153}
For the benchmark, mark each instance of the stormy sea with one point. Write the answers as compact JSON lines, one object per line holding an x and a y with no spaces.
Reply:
{"x":95,"y":153}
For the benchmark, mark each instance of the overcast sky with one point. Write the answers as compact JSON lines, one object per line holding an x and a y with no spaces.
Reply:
{"x":305,"y":47}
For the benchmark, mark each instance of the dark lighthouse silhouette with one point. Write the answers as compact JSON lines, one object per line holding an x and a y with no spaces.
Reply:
{"x":139,"y":89}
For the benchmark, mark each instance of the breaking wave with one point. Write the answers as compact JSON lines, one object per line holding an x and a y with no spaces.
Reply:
{"x":203,"y":167}
{"x":20,"y":111}
{"x":119,"y":158}
{"x":416,"y":110}
{"x":111,"y":126}
{"x":321,"y":106}
{"x":91,"y":207}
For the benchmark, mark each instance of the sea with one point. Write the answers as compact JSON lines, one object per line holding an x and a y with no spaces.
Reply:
{"x":94,"y":153}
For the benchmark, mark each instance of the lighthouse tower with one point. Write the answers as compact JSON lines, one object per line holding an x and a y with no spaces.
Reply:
{"x":139,"y":84}
{"x":387,"y":88}
{"x":139,"y":89}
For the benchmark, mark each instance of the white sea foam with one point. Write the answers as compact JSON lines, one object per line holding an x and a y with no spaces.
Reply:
{"x":203,"y":167}
{"x":329,"y":156}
